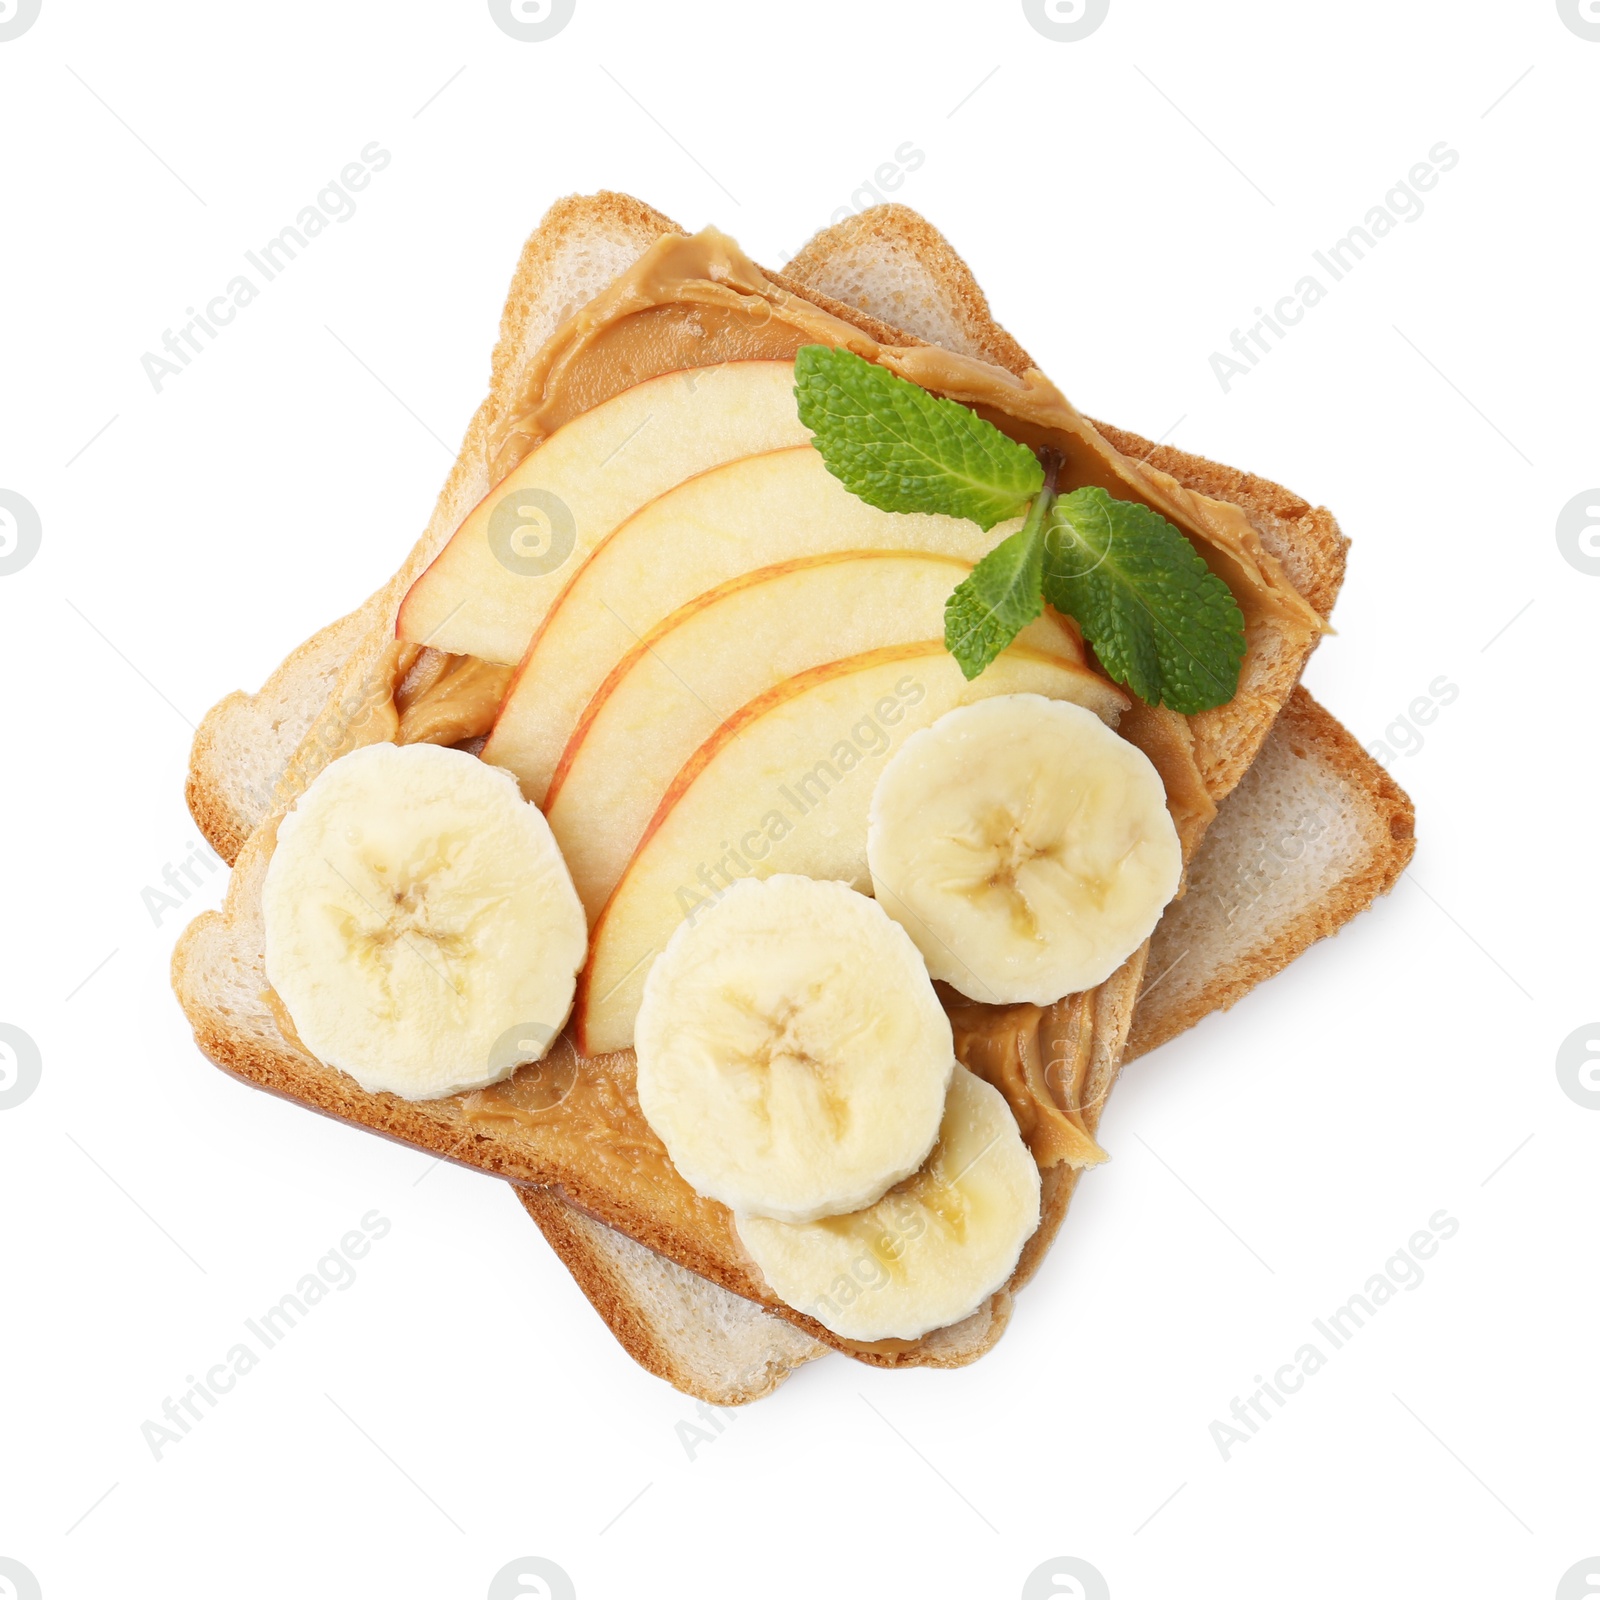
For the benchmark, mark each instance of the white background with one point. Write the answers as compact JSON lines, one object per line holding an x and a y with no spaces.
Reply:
{"x":461,"y":1405}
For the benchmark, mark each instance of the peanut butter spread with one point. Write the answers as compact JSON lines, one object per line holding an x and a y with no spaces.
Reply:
{"x":585,"y":1112}
{"x":367,"y":716}
{"x":1038,"y":1058}
{"x":446,"y":699}
{"x":700,"y":301}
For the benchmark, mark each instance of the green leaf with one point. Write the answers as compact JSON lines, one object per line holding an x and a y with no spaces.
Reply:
{"x":1159,"y":619}
{"x":998,"y":598}
{"x":900,"y":448}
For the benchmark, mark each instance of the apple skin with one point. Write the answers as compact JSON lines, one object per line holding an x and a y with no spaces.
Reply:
{"x":490,"y":586}
{"x":759,"y":511}
{"x":784,"y":785}
{"x":698,"y":666}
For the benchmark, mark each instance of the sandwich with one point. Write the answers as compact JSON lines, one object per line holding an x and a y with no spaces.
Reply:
{"x":600,"y":851}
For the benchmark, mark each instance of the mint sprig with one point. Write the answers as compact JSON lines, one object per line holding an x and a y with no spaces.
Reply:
{"x":1158,"y":618}
{"x":900,"y":448}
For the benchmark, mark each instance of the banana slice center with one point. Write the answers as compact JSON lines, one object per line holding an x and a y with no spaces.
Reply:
{"x":1020,"y":856}
{"x":783,"y":1065}
{"x":407,"y":913}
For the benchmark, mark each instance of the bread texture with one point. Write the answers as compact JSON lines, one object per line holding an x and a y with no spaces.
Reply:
{"x":1315,"y":833}
{"x":253,"y":754}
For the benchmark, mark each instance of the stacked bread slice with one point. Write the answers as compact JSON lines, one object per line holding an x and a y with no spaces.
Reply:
{"x":1307,"y":829}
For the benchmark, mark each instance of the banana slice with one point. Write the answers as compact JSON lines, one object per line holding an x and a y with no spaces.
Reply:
{"x":421,"y":928}
{"x":931,"y":1250}
{"x":793,"y":1056}
{"x":1024,"y":846}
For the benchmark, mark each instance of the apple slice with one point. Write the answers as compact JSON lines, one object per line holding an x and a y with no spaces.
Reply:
{"x":784,"y":786}
{"x":697,"y":667}
{"x":490,"y":586}
{"x":752,"y":513}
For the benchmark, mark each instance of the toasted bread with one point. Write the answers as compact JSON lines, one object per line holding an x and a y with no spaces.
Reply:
{"x":217,"y":970}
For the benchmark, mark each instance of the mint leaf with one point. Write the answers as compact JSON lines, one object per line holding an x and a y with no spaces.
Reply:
{"x":996,"y":601}
{"x":1002,"y":594}
{"x":900,"y":448}
{"x":1159,"y":619}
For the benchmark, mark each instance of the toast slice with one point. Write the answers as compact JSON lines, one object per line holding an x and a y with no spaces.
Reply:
{"x":1313,"y":835}
{"x":217,"y":969}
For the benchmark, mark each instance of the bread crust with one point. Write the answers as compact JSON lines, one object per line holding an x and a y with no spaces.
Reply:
{"x":941,"y":303}
{"x":1368,"y":798}
{"x":702,"y":1340}
{"x":245,"y":741}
